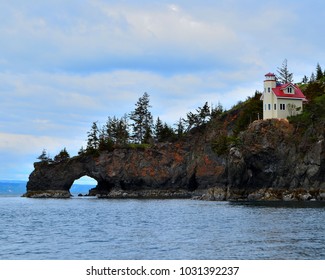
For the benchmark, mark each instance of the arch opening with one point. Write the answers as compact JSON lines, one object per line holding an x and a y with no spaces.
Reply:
{"x":83,"y":185}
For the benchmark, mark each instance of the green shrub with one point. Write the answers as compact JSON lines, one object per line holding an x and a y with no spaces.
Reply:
{"x":223,"y":143}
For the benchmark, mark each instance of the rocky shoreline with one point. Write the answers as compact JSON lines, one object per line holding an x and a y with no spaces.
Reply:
{"x":267,"y":163}
{"x":212,"y":194}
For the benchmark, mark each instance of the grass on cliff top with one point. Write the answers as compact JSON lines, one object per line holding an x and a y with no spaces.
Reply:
{"x":234,"y":121}
{"x":313,"y":115}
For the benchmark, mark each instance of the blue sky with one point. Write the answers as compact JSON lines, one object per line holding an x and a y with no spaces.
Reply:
{"x":65,"y":64}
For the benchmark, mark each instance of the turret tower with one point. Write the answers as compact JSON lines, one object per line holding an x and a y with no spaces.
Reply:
{"x":268,"y":96}
{"x":269,"y":82}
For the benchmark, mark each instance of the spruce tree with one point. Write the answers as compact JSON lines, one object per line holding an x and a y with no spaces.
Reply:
{"x":217,"y":111}
{"x":305,"y":80}
{"x":62,"y":155}
{"x":284,"y":76}
{"x":122,"y":132}
{"x":142,"y":120}
{"x":158,"y":129}
{"x":191,"y":120}
{"x":93,"y":138}
{"x":180,"y":129}
{"x":111,"y":128}
{"x":118,"y":130}
{"x":319,"y":72}
{"x":204,"y":113}
{"x":312,"y":78}
{"x":43,"y":156}
{"x":81,"y":151}
{"x":167,"y":133}
{"x":104,"y":142}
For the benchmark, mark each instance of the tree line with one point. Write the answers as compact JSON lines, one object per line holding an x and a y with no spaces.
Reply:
{"x":61,"y":156}
{"x":318,"y":75}
{"x":285,"y":76}
{"x":137,"y":129}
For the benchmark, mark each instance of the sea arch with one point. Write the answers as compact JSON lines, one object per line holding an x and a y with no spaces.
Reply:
{"x":56,"y":179}
{"x":83,"y":186}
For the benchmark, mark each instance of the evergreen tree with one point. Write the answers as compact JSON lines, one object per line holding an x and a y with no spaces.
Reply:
{"x":43,"y":156}
{"x":203,"y":114}
{"x":147,"y":135}
{"x":312,"y":78}
{"x":104,"y":143}
{"x":167,"y":133}
{"x":284,"y":76}
{"x":81,"y":151}
{"x":62,"y":155}
{"x":122,"y":132}
{"x":191,"y":120}
{"x":163,"y":132}
{"x":158,"y":129}
{"x":111,"y":128}
{"x":180,"y":129}
{"x":319,"y":72}
{"x":194,"y":120}
{"x":142,"y":120}
{"x":305,"y":80}
{"x":118,"y":130}
{"x":217,"y":111}
{"x":93,"y":138}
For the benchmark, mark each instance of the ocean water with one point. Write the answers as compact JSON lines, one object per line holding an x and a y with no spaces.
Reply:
{"x":90,"y":228}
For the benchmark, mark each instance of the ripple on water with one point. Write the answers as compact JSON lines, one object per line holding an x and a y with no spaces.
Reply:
{"x":159,"y":229}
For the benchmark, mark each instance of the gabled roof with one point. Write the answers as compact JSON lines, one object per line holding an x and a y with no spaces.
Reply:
{"x":279,"y":92}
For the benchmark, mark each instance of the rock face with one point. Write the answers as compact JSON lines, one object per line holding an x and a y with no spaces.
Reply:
{"x":272,"y":164}
{"x":267,"y":164}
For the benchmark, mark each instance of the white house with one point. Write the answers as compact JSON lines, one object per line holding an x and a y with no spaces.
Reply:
{"x":281,"y":101}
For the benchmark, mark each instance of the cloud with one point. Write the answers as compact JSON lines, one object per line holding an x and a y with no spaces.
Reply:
{"x":173,"y":8}
{"x":171,"y":38}
{"x":22,"y":144}
{"x":112,"y":36}
{"x":65,"y":64}
{"x":19,"y":151}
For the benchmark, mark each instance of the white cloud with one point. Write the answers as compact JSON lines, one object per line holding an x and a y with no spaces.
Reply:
{"x":173,"y":7}
{"x":23,"y":144}
{"x":65,"y":64}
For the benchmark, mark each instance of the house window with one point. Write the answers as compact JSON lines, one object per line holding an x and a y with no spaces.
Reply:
{"x":282,"y":107}
{"x":274,"y":107}
{"x":289,"y":90}
{"x":268,"y":89}
{"x":269,"y":105}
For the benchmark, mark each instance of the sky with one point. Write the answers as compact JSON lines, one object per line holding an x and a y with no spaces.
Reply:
{"x":65,"y":64}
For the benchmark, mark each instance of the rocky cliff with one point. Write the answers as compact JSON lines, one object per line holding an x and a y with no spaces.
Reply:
{"x":267,"y":162}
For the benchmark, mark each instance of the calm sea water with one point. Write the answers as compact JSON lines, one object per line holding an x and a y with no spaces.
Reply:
{"x":90,"y":228}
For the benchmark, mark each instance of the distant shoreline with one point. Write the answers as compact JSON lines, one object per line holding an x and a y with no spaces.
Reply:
{"x":18,"y":188}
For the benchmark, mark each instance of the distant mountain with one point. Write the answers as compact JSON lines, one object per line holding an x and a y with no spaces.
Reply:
{"x":12,"y":187}
{"x":16,"y":187}
{"x":83,"y":189}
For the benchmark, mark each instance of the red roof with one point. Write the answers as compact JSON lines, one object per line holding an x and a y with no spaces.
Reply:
{"x":279,"y":92}
{"x":269,"y":74}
